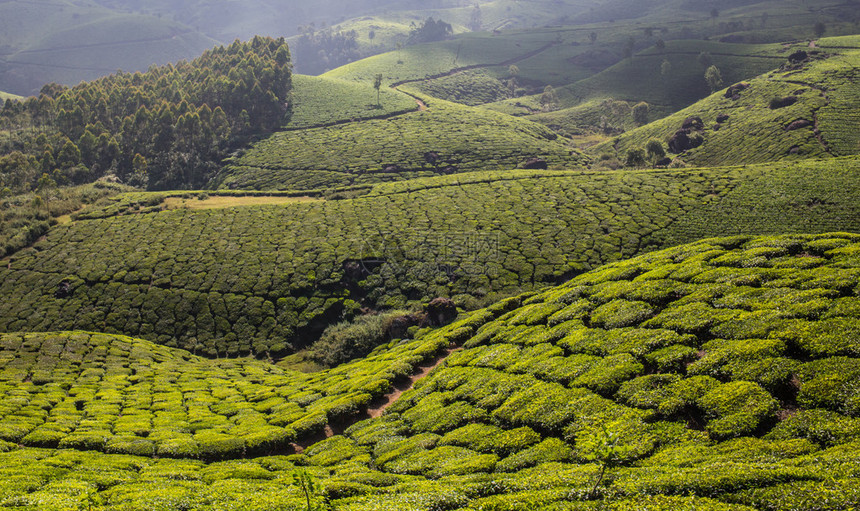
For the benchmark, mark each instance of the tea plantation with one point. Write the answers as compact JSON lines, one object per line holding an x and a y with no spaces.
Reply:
{"x":322,"y":102}
{"x":268,"y":279}
{"x":716,"y":375}
{"x":641,"y":77}
{"x":116,"y":394}
{"x":447,"y":138}
{"x":806,"y":109}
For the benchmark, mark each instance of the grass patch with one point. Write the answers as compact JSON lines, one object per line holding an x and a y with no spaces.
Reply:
{"x":217,"y":202}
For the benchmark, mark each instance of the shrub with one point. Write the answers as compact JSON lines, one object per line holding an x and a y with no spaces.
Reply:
{"x":737,"y":408}
{"x":830,"y":383}
{"x":548,"y":450}
{"x":620,"y":313}
{"x":345,"y":341}
{"x":776,"y":103}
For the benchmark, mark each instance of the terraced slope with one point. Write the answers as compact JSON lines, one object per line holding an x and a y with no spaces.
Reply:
{"x":721,"y":369}
{"x":266,"y":279}
{"x":641,"y":78}
{"x":718,"y":375}
{"x":322,"y":102}
{"x":815,"y":113}
{"x":443,"y":139}
{"x":89,"y":391}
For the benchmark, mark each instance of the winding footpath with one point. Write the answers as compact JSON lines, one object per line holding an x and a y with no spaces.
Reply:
{"x":378,"y":406}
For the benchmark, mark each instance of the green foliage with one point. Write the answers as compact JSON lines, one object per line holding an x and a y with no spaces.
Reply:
{"x":738,"y":408}
{"x":492,"y":426}
{"x":21,"y":223}
{"x":196,"y":278}
{"x":308,"y":486}
{"x":447,"y":138}
{"x":181,"y":119}
{"x":348,"y":340}
{"x":741,"y":126}
{"x":320,"y":102}
{"x":430,"y":30}
{"x":166,"y":402}
{"x":469,"y":88}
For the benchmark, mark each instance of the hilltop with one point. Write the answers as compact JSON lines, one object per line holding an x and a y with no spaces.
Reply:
{"x":804,"y":109}
{"x":437,"y":138}
{"x":713,"y":375}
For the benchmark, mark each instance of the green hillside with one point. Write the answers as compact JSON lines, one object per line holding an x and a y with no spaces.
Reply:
{"x":268,"y":279}
{"x":5,"y":95}
{"x":431,"y":59}
{"x":805,"y":109}
{"x":88,"y":391}
{"x":442,"y":139}
{"x":722,"y":369}
{"x":321,"y":101}
{"x":641,"y":77}
{"x":168,"y":127}
{"x":715,"y":375}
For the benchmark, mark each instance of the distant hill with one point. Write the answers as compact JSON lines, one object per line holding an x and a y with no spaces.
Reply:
{"x":66,"y":42}
{"x":5,"y":95}
{"x":641,"y":78}
{"x":805,"y":109}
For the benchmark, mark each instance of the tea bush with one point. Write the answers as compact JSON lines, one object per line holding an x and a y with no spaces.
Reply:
{"x":256,"y":279}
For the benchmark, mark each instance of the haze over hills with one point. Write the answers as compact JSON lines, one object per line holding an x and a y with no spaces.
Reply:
{"x":503,"y":255}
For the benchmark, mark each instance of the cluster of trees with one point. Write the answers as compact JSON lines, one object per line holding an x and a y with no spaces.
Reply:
{"x":430,"y":30}
{"x":166,"y":128}
{"x":317,"y":51}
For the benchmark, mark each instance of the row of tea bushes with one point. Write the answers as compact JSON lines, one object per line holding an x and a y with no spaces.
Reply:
{"x":264,"y":279}
{"x":444,"y":139}
{"x":117,"y":394}
{"x":708,"y":369}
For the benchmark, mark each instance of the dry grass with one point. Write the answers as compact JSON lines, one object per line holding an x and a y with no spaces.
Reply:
{"x":221,"y":201}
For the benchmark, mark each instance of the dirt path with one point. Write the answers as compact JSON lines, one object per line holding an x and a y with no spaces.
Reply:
{"x":378,"y":406}
{"x":421,"y":105}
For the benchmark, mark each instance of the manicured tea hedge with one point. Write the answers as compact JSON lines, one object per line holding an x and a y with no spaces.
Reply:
{"x":265,"y":279}
{"x":762,"y":415}
{"x":447,"y":138}
{"x":121,"y":395}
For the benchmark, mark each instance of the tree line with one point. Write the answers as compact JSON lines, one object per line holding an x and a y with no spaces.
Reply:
{"x":168,"y":127}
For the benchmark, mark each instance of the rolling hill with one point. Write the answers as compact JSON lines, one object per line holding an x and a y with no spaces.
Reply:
{"x":641,"y":77}
{"x":321,"y":102}
{"x":68,"y":42}
{"x":804,"y":109}
{"x":5,"y":95}
{"x":408,"y":285}
{"x":268,"y":279}
{"x":715,"y":375}
{"x":440,"y":138}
